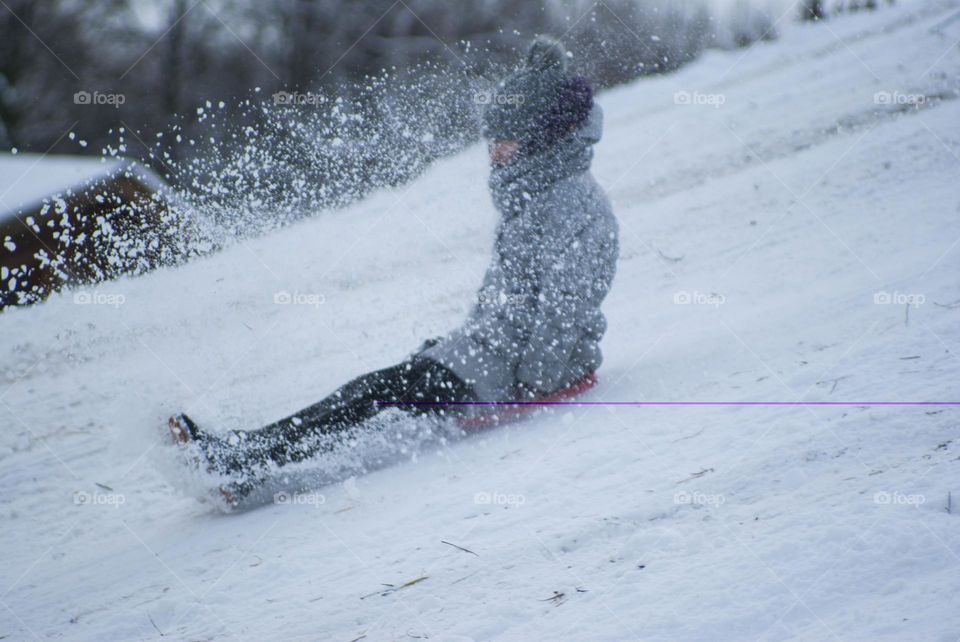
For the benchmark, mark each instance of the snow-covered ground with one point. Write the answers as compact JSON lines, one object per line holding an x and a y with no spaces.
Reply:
{"x":810,"y":225}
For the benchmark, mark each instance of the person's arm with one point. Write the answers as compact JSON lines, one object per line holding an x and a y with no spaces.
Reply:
{"x":555,"y":327}
{"x":556,"y":311}
{"x":578,"y":260}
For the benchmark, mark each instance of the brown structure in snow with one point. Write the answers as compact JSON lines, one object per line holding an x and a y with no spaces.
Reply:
{"x":75,"y":220}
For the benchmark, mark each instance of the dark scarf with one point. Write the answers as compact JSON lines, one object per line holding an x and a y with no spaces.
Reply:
{"x":517,"y":184}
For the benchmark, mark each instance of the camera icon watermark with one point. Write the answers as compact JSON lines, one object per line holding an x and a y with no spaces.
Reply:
{"x":484,"y":498}
{"x":897,"y":498}
{"x":496,"y":98}
{"x":85,"y":297}
{"x":683,"y":498}
{"x":284,"y":297}
{"x":298,"y":98}
{"x":899,"y":298}
{"x":97,"y":98}
{"x":683,"y":297}
{"x":699,"y":98}
{"x":501,"y":298}
{"x":83,"y":498}
{"x":305,"y":499}
{"x":898,"y":98}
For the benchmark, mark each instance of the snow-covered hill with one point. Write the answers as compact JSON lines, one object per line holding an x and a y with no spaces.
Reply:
{"x":789,"y":233}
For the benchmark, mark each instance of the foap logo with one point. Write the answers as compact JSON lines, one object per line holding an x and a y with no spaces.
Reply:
{"x":97,"y":98}
{"x":898,"y":98}
{"x":899,"y":298}
{"x":897,"y":498}
{"x":284,"y":297}
{"x":684,"y":297}
{"x":683,"y":498}
{"x":494,"y":98}
{"x":83,"y":498}
{"x":698,"y":98}
{"x":86,"y":297}
{"x":484,"y":498}
{"x":501,"y":298}
{"x":304,"y":499}
{"x":298,"y":98}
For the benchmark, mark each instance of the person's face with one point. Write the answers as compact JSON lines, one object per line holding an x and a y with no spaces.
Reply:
{"x":503,"y":151}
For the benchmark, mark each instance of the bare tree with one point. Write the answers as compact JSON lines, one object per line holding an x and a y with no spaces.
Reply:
{"x":812,"y":10}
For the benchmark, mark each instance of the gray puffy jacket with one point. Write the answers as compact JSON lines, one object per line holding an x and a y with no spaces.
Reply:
{"x":537,"y":320}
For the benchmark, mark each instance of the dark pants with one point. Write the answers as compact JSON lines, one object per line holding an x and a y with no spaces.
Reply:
{"x":320,"y":428}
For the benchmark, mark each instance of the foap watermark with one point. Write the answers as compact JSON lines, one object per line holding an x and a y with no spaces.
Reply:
{"x":501,"y":298}
{"x":86,"y":297}
{"x":284,"y":297}
{"x":899,"y":298}
{"x":304,"y":499}
{"x":494,"y":98}
{"x":885,"y":498}
{"x":699,"y":298}
{"x":699,"y":98}
{"x":298,"y":98}
{"x":683,"y":498}
{"x":898,"y":98}
{"x":83,"y":498}
{"x":484,"y":498}
{"x":98,"y":98}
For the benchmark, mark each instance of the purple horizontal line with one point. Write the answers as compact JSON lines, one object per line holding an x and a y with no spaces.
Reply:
{"x":668,"y":403}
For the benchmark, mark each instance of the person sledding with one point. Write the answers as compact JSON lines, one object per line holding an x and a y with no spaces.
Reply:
{"x":535,"y":329}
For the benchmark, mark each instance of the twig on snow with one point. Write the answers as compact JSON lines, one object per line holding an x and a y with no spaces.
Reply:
{"x":394,"y":589}
{"x":557,"y":598}
{"x":465,"y":577}
{"x":834,"y":382}
{"x":669,"y":258}
{"x":955,"y":304}
{"x":696,"y":475}
{"x":696,"y":434}
{"x":149,"y":617}
{"x":465,"y":550}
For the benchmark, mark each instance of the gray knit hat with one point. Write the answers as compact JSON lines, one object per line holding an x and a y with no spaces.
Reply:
{"x":539,"y":102}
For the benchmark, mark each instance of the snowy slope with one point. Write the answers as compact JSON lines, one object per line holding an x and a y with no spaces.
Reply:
{"x":793,"y":207}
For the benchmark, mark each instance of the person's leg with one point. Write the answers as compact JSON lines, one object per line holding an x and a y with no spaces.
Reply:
{"x":318,"y":428}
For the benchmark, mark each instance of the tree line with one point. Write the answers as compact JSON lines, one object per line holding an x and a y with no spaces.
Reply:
{"x":139,"y":77}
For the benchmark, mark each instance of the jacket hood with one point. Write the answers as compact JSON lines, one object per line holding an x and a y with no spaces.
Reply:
{"x":592,"y":129}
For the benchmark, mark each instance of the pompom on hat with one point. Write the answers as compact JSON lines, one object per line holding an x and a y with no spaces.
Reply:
{"x":540,"y":103}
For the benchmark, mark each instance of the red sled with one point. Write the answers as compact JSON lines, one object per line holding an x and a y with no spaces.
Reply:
{"x":484,"y":415}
